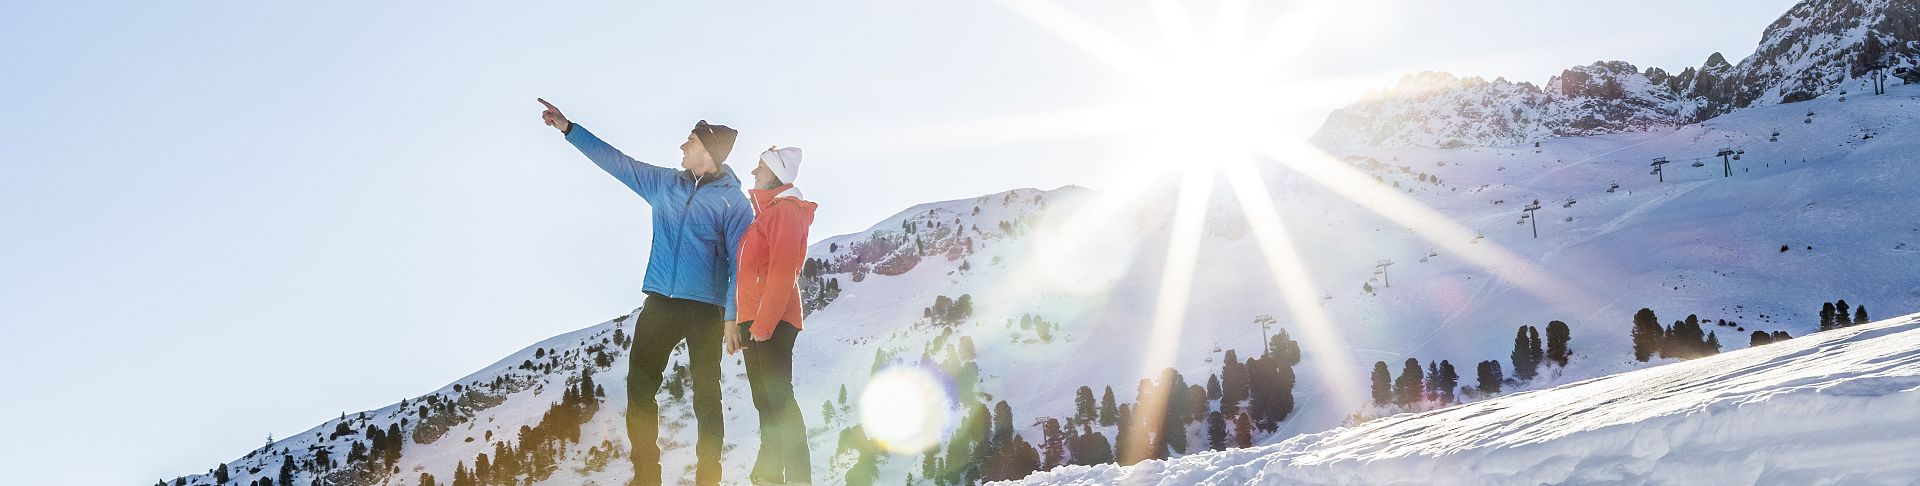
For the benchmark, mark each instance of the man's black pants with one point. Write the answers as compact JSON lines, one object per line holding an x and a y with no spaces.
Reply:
{"x":663,"y":323}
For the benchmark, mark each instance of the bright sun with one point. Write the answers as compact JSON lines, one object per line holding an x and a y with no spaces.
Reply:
{"x":1205,"y":96}
{"x":1202,"y":107}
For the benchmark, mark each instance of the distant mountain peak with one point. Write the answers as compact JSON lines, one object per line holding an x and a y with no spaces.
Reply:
{"x":1813,"y":49}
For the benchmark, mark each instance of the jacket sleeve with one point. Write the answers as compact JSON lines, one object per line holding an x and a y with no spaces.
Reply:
{"x":645,"y":179}
{"x":736,"y":228}
{"x":786,"y":252}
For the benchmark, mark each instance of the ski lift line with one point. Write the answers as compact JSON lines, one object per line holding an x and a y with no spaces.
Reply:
{"x":1265,"y":321}
{"x":1527,"y":213}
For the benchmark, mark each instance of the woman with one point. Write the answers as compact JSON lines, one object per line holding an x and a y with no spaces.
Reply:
{"x":771,"y":253}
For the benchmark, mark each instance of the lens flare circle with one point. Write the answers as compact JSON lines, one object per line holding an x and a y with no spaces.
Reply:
{"x":904,"y":408}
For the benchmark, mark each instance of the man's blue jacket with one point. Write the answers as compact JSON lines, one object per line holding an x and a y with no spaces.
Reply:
{"x":696,"y":224}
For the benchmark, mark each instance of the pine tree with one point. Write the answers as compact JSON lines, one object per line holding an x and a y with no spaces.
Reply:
{"x":1840,"y":313}
{"x":960,"y":450}
{"x":1174,"y":424}
{"x":586,"y":385}
{"x":1713,"y":344}
{"x":1270,"y":380}
{"x":1557,"y":337}
{"x":1490,"y":377}
{"x":1406,"y":389}
{"x":1099,"y":450}
{"x":1685,"y":339}
{"x":1286,"y":355}
{"x":394,"y":444}
{"x":1646,"y":334}
{"x":1382,"y":383}
{"x":1015,"y":461}
{"x":1002,"y":423}
{"x":1524,"y":366}
{"x":460,"y":477}
{"x":1759,"y":338}
{"x":1213,"y":387}
{"x":220,"y":475}
{"x":865,"y":470}
{"x":930,"y":464}
{"x":426,"y":479}
{"x":1697,"y":334}
{"x":1216,"y":431}
{"x":1859,"y":315}
{"x":482,"y":469}
{"x":1197,"y":403}
{"x":1054,"y":442}
{"x":1242,"y":430}
{"x":1083,"y":405}
{"x":1433,"y":380}
{"x":1449,"y":381}
{"x":1826,"y":316}
{"x":1284,"y":349}
{"x":1535,"y":354}
{"x":1123,"y":436}
{"x":1108,"y":413}
{"x":1233,"y":382}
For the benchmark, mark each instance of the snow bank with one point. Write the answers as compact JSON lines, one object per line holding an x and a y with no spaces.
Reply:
{"x":1836,"y":407}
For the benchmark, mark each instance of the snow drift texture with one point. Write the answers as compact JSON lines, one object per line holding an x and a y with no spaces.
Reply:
{"x":1836,"y":407}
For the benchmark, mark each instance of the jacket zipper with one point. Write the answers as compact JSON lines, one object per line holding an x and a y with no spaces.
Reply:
{"x":685,"y":209}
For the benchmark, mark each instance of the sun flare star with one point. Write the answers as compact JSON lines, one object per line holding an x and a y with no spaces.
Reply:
{"x":1205,"y":104}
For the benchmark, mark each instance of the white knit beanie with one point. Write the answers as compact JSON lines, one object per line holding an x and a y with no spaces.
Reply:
{"x":784,"y":161}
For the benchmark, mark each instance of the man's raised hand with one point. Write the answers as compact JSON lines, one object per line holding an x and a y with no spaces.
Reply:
{"x":553,"y":118}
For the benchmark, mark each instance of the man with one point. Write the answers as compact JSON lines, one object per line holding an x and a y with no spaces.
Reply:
{"x":771,"y":254}
{"x":698,"y":217}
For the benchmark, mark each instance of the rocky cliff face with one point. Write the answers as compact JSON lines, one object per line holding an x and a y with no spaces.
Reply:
{"x":1817,"y":47}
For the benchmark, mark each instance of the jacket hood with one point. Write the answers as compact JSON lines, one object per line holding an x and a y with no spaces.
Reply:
{"x":725,"y":179}
{"x":764,"y":199}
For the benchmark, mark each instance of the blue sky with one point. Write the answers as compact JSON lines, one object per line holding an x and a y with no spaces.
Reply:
{"x":222,"y":220}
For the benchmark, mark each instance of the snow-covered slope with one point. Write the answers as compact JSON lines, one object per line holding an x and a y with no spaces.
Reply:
{"x":1090,"y":264}
{"x":1836,"y":407}
{"x":1816,"y":48}
{"x":1061,"y":287}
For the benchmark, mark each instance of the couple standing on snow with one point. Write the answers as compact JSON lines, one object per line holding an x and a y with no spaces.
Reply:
{"x":722,"y":270}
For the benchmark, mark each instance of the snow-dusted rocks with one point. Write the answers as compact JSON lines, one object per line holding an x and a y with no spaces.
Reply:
{"x":1439,"y":110}
{"x":1817,"y":47}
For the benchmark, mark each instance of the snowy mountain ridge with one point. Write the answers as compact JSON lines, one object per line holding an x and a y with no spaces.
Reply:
{"x":1817,"y":47}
